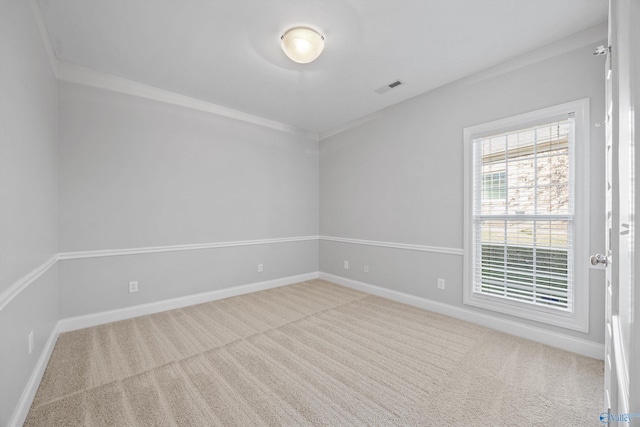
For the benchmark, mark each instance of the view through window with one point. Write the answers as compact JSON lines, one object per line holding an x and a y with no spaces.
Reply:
{"x":523,"y":214}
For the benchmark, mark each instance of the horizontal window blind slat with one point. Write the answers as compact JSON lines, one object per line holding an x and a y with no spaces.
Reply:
{"x":488,"y":270}
{"x":515,"y":290}
{"x":546,"y":296}
{"x":522,"y":217}
{"x":523,"y":286}
{"x":523,"y":214}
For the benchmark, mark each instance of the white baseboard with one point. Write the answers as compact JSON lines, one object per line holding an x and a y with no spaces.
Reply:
{"x":94,"y":319}
{"x":565,"y":342}
{"x":22,"y":408}
{"x":554,"y":339}
{"x":70,"y":324}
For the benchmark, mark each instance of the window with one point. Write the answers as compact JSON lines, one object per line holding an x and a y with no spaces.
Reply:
{"x":494,"y":185}
{"x":524,"y":241}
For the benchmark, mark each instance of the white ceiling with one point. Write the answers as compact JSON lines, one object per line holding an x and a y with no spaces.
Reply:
{"x":227,"y":52}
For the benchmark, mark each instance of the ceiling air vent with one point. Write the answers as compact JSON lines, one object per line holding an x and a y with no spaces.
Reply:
{"x":388,"y":87}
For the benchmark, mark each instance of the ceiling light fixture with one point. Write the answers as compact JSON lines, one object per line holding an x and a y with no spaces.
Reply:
{"x":302,"y":45}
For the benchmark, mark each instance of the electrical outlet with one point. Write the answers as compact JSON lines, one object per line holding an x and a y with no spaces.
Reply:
{"x":133,"y":287}
{"x":366,"y":268}
{"x":346,"y":265}
{"x":31,"y":342}
{"x":260,"y":268}
{"x":440,"y":283}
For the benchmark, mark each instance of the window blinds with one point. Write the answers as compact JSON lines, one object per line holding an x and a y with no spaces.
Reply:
{"x":523,"y":214}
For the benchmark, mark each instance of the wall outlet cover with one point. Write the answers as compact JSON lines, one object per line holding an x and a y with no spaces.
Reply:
{"x":133,"y":287}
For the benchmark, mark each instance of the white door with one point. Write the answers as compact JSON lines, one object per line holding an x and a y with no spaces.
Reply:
{"x":622,"y":343}
{"x":610,"y":256}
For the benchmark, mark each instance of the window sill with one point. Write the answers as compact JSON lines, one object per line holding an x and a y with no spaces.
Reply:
{"x":548,"y":316}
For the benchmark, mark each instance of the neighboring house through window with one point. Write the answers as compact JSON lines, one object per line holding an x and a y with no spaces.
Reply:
{"x":526,"y":215}
{"x":494,"y":185}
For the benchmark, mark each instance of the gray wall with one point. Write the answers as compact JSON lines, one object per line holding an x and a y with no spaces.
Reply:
{"x":94,"y":285}
{"x":34,"y":309}
{"x":136,"y":173}
{"x":110,"y":171}
{"x":28,"y":196}
{"x":140,"y":173}
{"x":399,"y":178}
{"x":28,"y":160}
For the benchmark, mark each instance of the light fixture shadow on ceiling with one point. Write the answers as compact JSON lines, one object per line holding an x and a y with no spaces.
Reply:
{"x":268,"y":49}
{"x":341,"y":25}
{"x":340,"y":48}
{"x":270,"y":55}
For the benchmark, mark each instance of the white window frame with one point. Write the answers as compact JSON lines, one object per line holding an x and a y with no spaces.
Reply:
{"x":578,"y":318}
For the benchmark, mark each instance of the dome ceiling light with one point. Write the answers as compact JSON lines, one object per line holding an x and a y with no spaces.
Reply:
{"x":302,"y":45}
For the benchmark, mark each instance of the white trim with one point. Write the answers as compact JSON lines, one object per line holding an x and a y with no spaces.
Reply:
{"x":554,"y":339}
{"x":81,"y":75}
{"x":351,"y":124}
{"x":94,"y":319}
{"x":621,"y":365}
{"x":406,"y":246}
{"x":71,"y":324}
{"x":26,"y":399}
{"x":89,"y":77}
{"x":66,"y":71}
{"x":579,"y":319}
{"x":44,"y":34}
{"x":176,"y":248}
{"x":575,"y":41}
{"x":20,"y":285}
{"x":200,"y":246}
{"x":14,"y":290}
{"x":577,"y":345}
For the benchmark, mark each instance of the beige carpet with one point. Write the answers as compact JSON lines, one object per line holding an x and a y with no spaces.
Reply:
{"x":313,"y":353}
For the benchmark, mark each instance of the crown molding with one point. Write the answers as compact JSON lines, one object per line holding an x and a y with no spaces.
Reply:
{"x":591,"y":35}
{"x":73,"y":73}
{"x":36,"y":11}
{"x":66,"y":71}
{"x":352,"y":124}
{"x":78,"y":74}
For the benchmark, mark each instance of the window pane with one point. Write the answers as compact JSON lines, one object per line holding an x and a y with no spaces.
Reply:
{"x":521,"y":175}
{"x":525,"y":260}
{"x":521,"y":187}
{"x":526,"y":171}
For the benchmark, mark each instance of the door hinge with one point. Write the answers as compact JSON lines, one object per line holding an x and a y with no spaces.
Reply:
{"x":601,"y":50}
